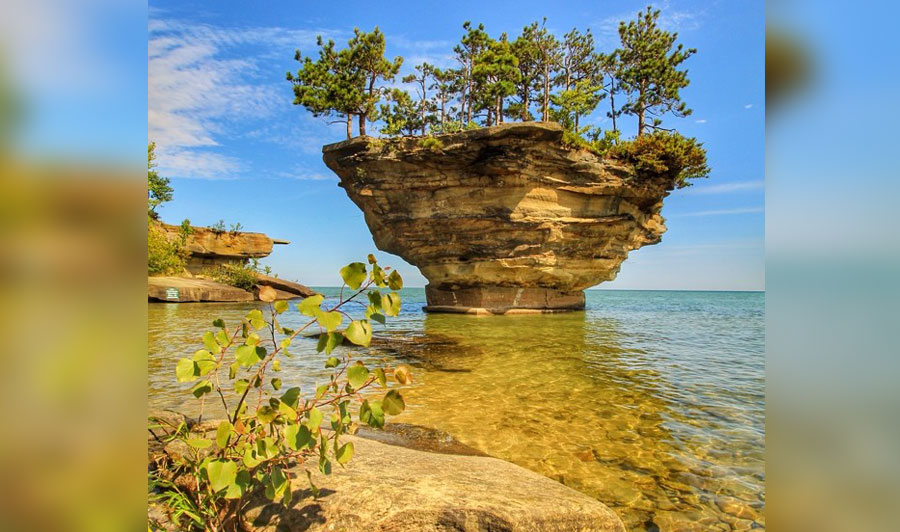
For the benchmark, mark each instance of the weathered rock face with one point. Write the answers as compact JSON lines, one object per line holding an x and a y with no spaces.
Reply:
{"x":389,"y":488}
{"x":502,"y":218}
{"x":209,"y":247}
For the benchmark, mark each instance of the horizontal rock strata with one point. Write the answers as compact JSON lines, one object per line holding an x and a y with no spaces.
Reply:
{"x":499,"y":209}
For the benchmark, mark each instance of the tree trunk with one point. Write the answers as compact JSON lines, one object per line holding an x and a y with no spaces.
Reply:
{"x":499,"y":109}
{"x":545,"y":114}
{"x":612,"y":103}
{"x":640,"y":122}
{"x":576,"y":122}
{"x":423,"y":107}
{"x":443,"y":98}
{"x":525,"y":105}
{"x":362,"y":125}
{"x":469,"y":93}
{"x":349,"y":126}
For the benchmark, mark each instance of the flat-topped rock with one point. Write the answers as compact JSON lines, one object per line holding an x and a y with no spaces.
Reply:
{"x":499,"y":209}
{"x":185,"y":290}
{"x":389,"y":488}
{"x":208,"y":247}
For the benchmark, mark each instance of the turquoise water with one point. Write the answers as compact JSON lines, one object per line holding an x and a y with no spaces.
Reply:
{"x":651,"y":401}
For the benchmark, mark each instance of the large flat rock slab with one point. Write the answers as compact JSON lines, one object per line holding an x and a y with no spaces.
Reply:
{"x":394,"y":489}
{"x":184,"y":290}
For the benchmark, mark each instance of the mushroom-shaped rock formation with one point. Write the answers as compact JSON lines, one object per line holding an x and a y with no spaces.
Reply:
{"x":501,"y":219}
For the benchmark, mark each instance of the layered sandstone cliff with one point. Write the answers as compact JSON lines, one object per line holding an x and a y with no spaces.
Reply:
{"x":210,"y":248}
{"x":501,"y":218}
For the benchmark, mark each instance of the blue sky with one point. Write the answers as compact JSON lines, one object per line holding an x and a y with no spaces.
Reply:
{"x":237,"y":149}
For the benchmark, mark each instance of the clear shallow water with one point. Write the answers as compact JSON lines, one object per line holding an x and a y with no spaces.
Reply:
{"x":652,"y":402}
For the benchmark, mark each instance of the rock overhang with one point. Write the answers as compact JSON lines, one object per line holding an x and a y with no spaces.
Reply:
{"x":502,"y":208}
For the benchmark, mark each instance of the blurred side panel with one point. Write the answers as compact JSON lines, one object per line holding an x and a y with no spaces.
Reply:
{"x":833,"y":259}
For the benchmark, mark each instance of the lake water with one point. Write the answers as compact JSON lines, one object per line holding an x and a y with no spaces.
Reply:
{"x":651,"y":401}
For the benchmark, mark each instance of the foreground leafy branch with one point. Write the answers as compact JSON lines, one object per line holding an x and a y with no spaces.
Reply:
{"x":270,"y":433}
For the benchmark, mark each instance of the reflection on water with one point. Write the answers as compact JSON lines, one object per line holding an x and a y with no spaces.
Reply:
{"x":653,"y":402}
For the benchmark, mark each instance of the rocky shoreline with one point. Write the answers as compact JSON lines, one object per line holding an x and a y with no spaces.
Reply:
{"x":410,"y":478}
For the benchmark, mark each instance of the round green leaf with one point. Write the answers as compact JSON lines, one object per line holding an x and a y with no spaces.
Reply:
{"x":393,"y":404}
{"x":221,"y":473}
{"x":186,"y":370}
{"x":344,"y":453}
{"x":354,"y":274}
{"x":395,"y":282}
{"x":310,"y":305}
{"x":330,"y":320}
{"x":357,"y":374}
{"x":359,"y":332}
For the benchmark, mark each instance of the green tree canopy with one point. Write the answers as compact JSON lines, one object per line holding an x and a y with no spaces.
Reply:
{"x":649,"y":70}
{"x":496,"y":73}
{"x":158,"y":189}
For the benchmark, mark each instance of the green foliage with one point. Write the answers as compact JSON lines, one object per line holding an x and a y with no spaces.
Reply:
{"x":344,"y":82}
{"x":431,"y":144}
{"x":239,"y":275}
{"x":401,"y":115}
{"x":165,"y":255}
{"x":269,"y":436}
{"x":668,"y":153}
{"x":158,"y":189}
{"x":496,"y":74}
{"x":649,"y":70}
{"x":218,"y":227}
{"x":533,"y":76}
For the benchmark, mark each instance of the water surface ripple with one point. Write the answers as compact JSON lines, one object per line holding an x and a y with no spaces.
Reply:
{"x":653,"y":402}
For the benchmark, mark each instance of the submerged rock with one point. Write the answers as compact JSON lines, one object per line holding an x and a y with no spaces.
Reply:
{"x":505,"y":218}
{"x":390,"y":488}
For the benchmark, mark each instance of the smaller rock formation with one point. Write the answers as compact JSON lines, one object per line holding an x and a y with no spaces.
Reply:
{"x":211,"y":248}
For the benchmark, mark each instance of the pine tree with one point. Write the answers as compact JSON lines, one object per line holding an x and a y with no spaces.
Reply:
{"x":609,"y":67}
{"x":158,"y":189}
{"x":423,"y":74}
{"x":579,"y":78}
{"x":444,"y":84}
{"x":368,"y":61}
{"x":401,"y":115}
{"x":649,"y":70}
{"x":343,"y":82}
{"x":496,"y":74}
{"x":547,"y":56}
{"x":473,"y":43}
{"x":527,"y":53}
{"x":329,"y":85}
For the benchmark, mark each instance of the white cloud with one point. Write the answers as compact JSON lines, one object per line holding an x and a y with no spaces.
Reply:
{"x":701,"y":121}
{"x":723,"y":212}
{"x":196,"y":91}
{"x":669,"y":20}
{"x":725,"y":188}
{"x":748,"y":106}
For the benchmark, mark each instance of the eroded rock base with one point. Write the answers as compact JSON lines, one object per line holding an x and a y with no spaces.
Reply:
{"x":502,"y":300}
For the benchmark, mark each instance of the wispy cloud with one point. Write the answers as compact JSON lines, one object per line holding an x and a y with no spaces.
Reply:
{"x":722,"y":212}
{"x":669,"y":19}
{"x":725,"y":188}
{"x":700,"y":121}
{"x":748,"y":106}
{"x":198,"y":87}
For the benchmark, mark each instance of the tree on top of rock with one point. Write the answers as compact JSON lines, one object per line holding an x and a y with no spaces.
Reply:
{"x":368,"y":61}
{"x":649,"y":70}
{"x":329,"y":85}
{"x":473,"y":43}
{"x":344,"y":82}
{"x":496,"y":74}
{"x":158,"y":189}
